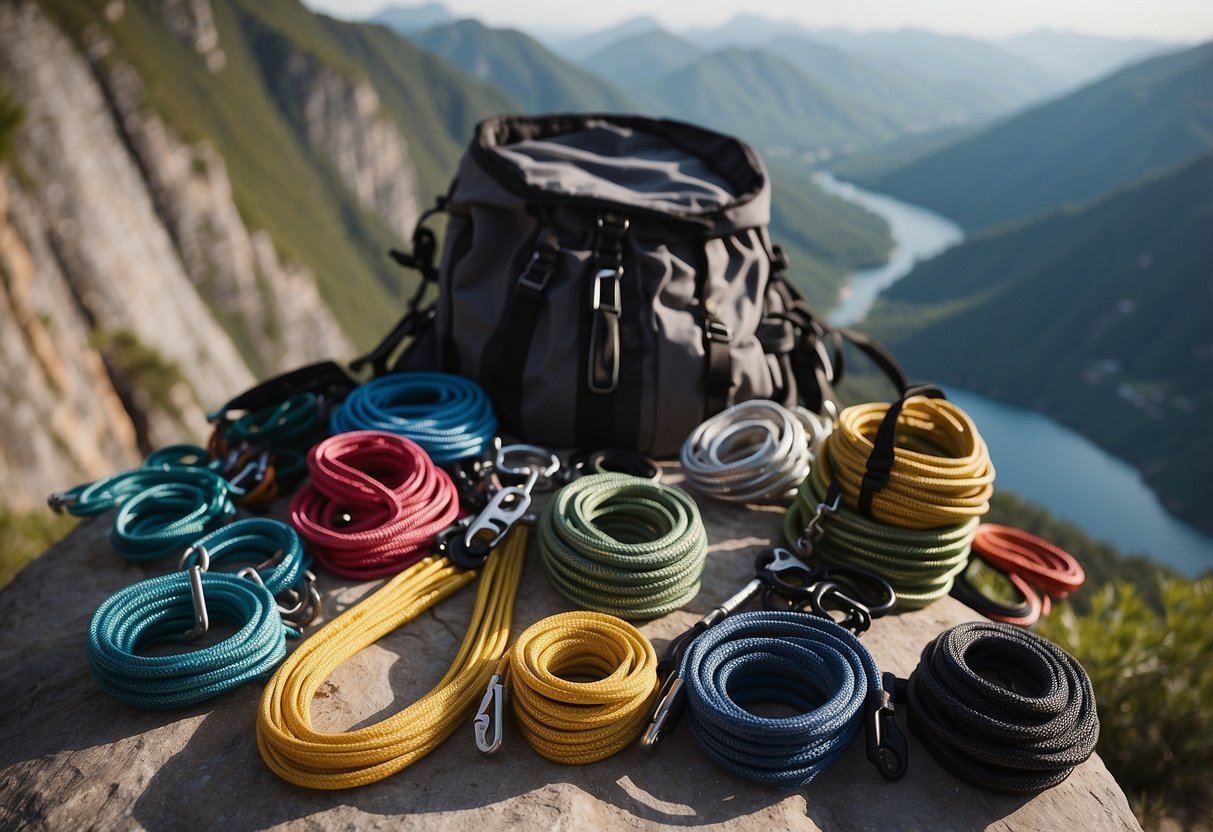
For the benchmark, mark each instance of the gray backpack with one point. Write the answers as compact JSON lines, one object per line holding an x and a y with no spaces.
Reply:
{"x":610,"y":282}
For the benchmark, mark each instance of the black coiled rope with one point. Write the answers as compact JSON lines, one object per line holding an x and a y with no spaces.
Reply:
{"x":1002,"y":708}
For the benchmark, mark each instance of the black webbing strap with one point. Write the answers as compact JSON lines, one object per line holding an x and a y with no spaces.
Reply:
{"x":884,"y":446}
{"x":325,"y":378}
{"x":599,"y":374}
{"x":508,"y":351}
{"x":415,"y":320}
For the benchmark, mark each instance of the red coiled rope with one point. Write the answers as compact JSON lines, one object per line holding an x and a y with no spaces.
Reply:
{"x":1032,"y":563}
{"x":373,"y":504}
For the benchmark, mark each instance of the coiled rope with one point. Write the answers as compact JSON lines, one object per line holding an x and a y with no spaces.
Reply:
{"x":160,"y":611}
{"x":299,"y":753}
{"x":1002,"y":708}
{"x":805,"y":663}
{"x":271,"y":547}
{"x":940,"y":472}
{"x":622,"y":545}
{"x":162,"y":509}
{"x":373,"y":505}
{"x":285,"y":430}
{"x":447,"y":415}
{"x":753,"y":452}
{"x":920,"y":564}
{"x":1036,"y":570}
{"x":568,"y":720}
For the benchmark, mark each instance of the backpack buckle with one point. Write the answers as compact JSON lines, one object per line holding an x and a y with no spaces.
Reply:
{"x":614,"y":300}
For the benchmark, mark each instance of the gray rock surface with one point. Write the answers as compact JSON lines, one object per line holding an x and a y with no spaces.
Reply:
{"x":71,"y":757}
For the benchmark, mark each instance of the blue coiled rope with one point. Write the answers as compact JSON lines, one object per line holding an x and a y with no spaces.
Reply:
{"x":447,"y":415}
{"x":809,"y":664}
{"x":163,"y":507}
{"x":270,"y":546}
{"x":160,"y":611}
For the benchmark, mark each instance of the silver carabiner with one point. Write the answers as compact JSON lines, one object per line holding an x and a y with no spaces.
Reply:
{"x":494,"y":696}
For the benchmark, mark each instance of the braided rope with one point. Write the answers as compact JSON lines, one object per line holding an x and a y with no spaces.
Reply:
{"x":159,"y":611}
{"x":920,"y":564}
{"x":808,"y":664}
{"x":270,"y":546}
{"x":756,"y":451}
{"x":941,"y":474}
{"x":161,"y":509}
{"x":373,"y":505}
{"x":578,"y":722}
{"x":1002,"y":708}
{"x":447,"y":415}
{"x":299,"y":753}
{"x":623,"y":545}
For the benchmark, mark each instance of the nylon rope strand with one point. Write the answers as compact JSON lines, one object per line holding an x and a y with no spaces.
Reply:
{"x":373,"y":505}
{"x":802,"y":662}
{"x":159,"y":612}
{"x":270,"y":546}
{"x":581,"y":685}
{"x":622,"y":545}
{"x":1002,"y":708}
{"x":920,"y":564}
{"x":756,"y":451}
{"x":298,"y":752}
{"x":162,"y":508}
{"x":941,"y":475}
{"x":448,"y":415}
{"x":285,"y":431}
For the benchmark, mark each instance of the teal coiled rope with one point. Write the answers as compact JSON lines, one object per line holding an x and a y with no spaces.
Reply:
{"x":623,"y":545}
{"x":162,"y":508}
{"x":447,"y":415}
{"x":920,"y":564}
{"x":809,"y":664}
{"x":160,"y":611}
{"x":270,"y":546}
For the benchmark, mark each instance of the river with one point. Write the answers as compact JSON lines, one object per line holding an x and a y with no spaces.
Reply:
{"x":1035,"y":457}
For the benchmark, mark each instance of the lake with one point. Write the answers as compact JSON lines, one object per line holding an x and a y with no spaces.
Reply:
{"x":1035,"y":457}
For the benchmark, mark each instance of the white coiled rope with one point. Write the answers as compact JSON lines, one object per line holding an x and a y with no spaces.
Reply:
{"x":754,"y":452}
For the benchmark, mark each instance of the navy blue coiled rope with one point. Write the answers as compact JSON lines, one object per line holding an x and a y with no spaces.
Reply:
{"x":162,"y":507}
{"x":160,"y":611}
{"x":809,"y":664}
{"x":447,"y":415}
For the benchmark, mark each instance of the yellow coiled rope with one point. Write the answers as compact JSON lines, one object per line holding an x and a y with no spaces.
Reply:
{"x":577,"y":722}
{"x":295,"y":751}
{"x":941,"y":474}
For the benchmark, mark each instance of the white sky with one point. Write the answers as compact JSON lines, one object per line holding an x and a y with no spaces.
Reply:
{"x":1178,"y":20}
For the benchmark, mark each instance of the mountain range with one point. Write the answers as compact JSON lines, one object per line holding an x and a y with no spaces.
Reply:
{"x":1141,"y":119}
{"x":1100,"y":315}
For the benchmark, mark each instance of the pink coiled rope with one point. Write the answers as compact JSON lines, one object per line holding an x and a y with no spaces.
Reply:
{"x":373,"y":504}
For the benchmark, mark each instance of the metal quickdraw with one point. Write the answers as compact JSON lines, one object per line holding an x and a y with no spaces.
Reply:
{"x":468,"y":543}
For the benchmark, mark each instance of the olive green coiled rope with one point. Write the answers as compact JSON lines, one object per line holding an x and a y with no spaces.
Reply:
{"x":623,"y":545}
{"x":920,"y":564}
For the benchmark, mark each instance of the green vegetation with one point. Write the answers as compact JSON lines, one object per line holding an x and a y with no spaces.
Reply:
{"x":138,"y":366}
{"x":25,"y":535}
{"x":1152,"y":670}
{"x":539,"y":79}
{"x":11,"y":116}
{"x":1119,"y":130}
{"x":1099,"y":316}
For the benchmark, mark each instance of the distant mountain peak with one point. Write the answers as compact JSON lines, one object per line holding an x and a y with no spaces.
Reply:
{"x":414,"y":18}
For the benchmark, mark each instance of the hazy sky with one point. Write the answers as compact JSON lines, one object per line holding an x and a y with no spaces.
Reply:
{"x":1183,"y":20}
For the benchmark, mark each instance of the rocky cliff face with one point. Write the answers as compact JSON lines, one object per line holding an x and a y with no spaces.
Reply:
{"x":133,"y":296}
{"x":345,"y":124}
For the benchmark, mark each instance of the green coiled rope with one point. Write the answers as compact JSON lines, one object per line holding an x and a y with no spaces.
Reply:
{"x":920,"y":564}
{"x":623,"y":545}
